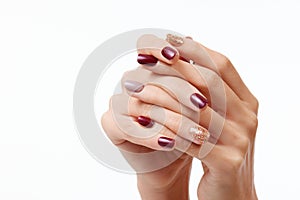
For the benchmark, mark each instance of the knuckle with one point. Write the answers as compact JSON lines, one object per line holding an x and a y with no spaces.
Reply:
{"x":223,"y":63}
{"x":244,"y":145}
{"x":236,"y":162}
{"x":252,"y":123}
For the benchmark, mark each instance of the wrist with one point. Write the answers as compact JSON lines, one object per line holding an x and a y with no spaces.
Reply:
{"x":175,"y":188}
{"x":178,"y":189}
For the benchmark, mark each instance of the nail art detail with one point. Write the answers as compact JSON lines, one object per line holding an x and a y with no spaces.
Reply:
{"x":166,"y":142}
{"x":201,"y":135}
{"x":169,"y":53}
{"x":146,"y":59}
{"x":133,"y":86}
{"x":174,"y":40}
{"x":145,"y":121}
{"x":198,"y":100}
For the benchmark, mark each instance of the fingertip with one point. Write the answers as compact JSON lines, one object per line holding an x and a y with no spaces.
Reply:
{"x":170,"y":54}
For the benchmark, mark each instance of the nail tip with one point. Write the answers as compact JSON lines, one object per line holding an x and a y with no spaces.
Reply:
{"x":133,"y":86}
{"x":198,"y":100}
{"x":168,"y":52}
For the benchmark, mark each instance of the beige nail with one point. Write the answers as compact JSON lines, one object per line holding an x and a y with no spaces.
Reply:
{"x":174,"y":40}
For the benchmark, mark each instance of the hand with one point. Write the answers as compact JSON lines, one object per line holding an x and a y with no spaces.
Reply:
{"x":162,"y":174}
{"x":228,"y":168}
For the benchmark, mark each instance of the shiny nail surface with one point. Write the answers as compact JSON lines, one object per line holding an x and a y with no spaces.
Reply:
{"x":198,"y":100}
{"x":169,"y":53}
{"x":145,"y":121}
{"x":146,"y":59}
{"x":174,"y":40}
{"x":166,"y":142}
{"x":200,"y":134}
{"x":133,"y":86}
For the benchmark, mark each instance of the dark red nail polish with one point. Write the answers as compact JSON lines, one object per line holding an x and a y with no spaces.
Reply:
{"x":166,"y":142}
{"x":182,"y":58}
{"x":146,"y":59}
{"x":169,"y":53}
{"x":145,"y":121}
{"x":198,"y":100}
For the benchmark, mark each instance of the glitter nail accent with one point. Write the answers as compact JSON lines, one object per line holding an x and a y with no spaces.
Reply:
{"x":200,"y":134}
{"x":174,"y":40}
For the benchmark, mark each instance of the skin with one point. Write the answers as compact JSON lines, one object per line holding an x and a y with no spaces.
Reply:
{"x":228,"y":167}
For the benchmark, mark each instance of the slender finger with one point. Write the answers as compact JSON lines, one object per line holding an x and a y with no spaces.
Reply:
{"x":143,"y":103}
{"x":150,"y":45}
{"x":192,"y":50}
{"x":219,"y":94}
{"x":178,"y":88}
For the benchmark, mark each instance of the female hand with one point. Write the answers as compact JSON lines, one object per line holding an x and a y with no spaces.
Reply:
{"x":137,"y":127}
{"x":228,"y":168}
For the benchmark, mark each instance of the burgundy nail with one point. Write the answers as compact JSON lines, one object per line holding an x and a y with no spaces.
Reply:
{"x":182,"y":58}
{"x":145,"y":121}
{"x":133,"y":86}
{"x":166,"y":142}
{"x":168,"y":53}
{"x":146,"y":59}
{"x":198,"y":100}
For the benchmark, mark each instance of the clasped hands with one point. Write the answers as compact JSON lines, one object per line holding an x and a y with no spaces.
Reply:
{"x":185,"y":101}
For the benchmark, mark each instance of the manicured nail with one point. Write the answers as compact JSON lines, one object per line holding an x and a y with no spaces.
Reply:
{"x":169,"y":53}
{"x":182,"y":58}
{"x":200,"y":134}
{"x":145,"y":121}
{"x":198,"y":100}
{"x":146,"y":59}
{"x":133,"y":86}
{"x":174,"y":40}
{"x":166,"y":142}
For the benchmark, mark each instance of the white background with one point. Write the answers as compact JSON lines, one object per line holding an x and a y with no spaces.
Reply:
{"x":44,"y":43}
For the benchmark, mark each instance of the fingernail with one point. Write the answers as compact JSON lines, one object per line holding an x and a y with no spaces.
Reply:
{"x":133,"y":86}
{"x":146,"y":59}
{"x":169,"y":53}
{"x":166,"y":142}
{"x":182,"y":58}
{"x":198,"y":100}
{"x":200,"y":135}
{"x":145,"y":121}
{"x":174,"y":40}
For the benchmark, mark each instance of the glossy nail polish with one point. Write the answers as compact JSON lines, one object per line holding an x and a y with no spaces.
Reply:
{"x":133,"y":86}
{"x":145,"y":121}
{"x":182,"y":58}
{"x":169,"y":53}
{"x":166,"y":142}
{"x":146,"y":59}
{"x":174,"y":40}
{"x":198,"y":100}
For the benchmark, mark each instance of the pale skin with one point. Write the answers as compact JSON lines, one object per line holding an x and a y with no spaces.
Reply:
{"x":228,"y":167}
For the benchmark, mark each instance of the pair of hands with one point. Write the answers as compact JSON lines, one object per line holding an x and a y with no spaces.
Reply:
{"x":172,"y":111}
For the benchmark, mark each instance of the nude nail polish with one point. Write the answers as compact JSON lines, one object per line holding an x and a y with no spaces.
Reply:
{"x":174,"y":40}
{"x":146,"y":59}
{"x":145,"y":121}
{"x":198,"y":100}
{"x":169,"y":53}
{"x":133,"y":86}
{"x":166,"y":142}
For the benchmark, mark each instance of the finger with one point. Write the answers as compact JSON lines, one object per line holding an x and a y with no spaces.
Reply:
{"x":192,"y":50}
{"x":121,"y":128}
{"x":143,"y":104}
{"x":178,"y":88}
{"x":177,"y":123}
{"x":218,"y":93}
{"x":148,"y":45}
